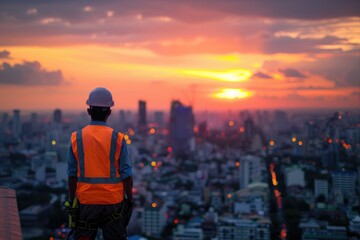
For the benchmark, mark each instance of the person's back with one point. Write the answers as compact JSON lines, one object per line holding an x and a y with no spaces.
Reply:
{"x":100,"y":174}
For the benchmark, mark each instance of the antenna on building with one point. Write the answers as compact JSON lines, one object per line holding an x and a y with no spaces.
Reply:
{"x":190,"y":94}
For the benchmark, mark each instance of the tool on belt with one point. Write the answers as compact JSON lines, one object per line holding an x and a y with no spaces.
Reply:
{"x":73,"y":210}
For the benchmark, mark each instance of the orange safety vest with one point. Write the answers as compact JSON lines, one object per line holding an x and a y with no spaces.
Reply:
{"x":97,"y":151}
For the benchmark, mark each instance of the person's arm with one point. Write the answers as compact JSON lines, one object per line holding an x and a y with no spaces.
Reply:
{"x":126,"y":172}
{"x":128,"y":186}
{"x":72,"y":174}
{"x":72,"y":183}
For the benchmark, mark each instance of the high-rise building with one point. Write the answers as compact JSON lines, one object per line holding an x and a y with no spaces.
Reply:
{"x":182,"y":137}
{"x":159,"y":118}
{"x":4,"y":126}
{"x":16,"y":124}
{"x":344,"y":181}
{"x":154,"y":219}
{"x":312,"y":130}
{"x":321,"y":187}
{"x":142,"y":122}
{"x":33,"y":117}
{"x":249,"y":128}
{"x":57,"y":116}
{"x":281,"y":121}
{"x":250,"y":170}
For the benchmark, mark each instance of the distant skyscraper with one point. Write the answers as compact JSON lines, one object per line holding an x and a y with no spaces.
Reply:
{"x":122,"y":120}
{"x":159,"y":118}
{"x":245,"y":114}
{"x":182,"y":137}
{"x":33,"y":117}
{"x":57,"y":116}
{"x":142,"y":123}
{"x":249,"y":128}
{"x":4,"y":126}
{"x":16,"y":124}
{"x":281,"y":121}
{"x":312,"y":130}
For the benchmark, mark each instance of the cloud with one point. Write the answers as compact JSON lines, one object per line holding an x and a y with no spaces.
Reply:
{"x":343,"y":70}
{"x":295,"y":96}
{"x":262,"y":75}
{"x":292,"y":73}
{"x":4,"y":54}
{"x":29,"y":74}
{"x":182,"y":27}
{"x":188,"y":10}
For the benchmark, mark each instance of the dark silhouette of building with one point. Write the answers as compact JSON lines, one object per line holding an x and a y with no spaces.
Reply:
{"x":16,"y":127}
{"x":142,"y":123}
{"x":182,"y":137}
{"x":281,"y":121}
{"x":57,"y":116}
{"x":159,"y":118}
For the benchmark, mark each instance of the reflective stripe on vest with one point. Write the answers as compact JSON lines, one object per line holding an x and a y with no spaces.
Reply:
{"x":97,"y":180}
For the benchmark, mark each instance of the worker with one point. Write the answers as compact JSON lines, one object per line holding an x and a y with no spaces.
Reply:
{"x":100,"y":174}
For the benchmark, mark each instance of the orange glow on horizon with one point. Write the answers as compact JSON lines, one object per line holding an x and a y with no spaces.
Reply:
{"x":238,"y":75}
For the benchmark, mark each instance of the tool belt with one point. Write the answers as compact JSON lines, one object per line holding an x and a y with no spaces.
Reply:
{"x":109,"y":219}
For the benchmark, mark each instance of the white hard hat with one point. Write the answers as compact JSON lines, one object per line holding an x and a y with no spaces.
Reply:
{"x":100,"y":97}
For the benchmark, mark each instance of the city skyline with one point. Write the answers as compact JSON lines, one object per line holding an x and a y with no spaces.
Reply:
{"x":216,"y":56}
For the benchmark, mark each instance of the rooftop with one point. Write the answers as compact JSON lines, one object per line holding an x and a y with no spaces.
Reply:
{"x":9,"y":215}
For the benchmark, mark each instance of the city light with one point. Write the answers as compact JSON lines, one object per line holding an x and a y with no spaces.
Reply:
{"x":229,"y":195}
{"x":231,"y":123}
{"x":293,"y":139}
{"x":128,"y":142}
{"x":272,"y":142}
{"x":131,"y":132}
{"x":330,"y":140}
{"x":153,"y":163}
{"x":283,"y":234}
{"x":277,"y":193}
{"x":237,"y":164}
{"x":152,"y":131}
{"x":242,"y":129}
{"x":300,"y":143}
{"x":126,"y":137}
{"x":169,"y":149}
{"x":176,"y":221}
{"x":154,"y":205}
{"x":53,"y":142}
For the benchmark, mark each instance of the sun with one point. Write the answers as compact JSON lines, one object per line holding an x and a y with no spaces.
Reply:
{"x":232,"y":93}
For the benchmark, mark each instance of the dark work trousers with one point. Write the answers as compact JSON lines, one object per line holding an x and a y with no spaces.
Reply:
{"x":114,"y":230}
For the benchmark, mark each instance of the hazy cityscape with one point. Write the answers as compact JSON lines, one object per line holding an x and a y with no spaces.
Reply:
{"x":256,"y":174}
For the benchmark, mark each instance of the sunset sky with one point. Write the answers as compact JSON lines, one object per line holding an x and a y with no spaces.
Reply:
{"x":213,"y":54}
